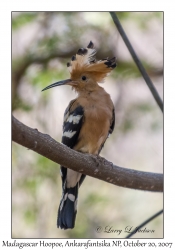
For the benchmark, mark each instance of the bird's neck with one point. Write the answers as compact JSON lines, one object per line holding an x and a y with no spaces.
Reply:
{"x":91,"y":92}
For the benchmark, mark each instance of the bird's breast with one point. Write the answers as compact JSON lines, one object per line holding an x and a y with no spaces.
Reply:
{"x":95,"y":128}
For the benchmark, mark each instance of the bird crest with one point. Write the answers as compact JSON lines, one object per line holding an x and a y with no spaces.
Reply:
{"x":85,"y":62}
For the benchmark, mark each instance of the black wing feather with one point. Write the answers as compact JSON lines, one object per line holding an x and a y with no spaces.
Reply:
{"x":67,"y":126}
{"x":113,"y":122}
{"x":70,"y":126}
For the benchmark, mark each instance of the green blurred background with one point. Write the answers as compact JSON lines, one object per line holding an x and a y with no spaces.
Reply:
{"x":42,"y":44}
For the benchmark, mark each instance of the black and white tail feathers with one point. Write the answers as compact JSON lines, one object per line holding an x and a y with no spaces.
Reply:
{"x":68,"y":206}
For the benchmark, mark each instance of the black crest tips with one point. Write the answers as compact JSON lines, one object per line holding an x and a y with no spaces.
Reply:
{"x":68,"y":64}
{"x":82,"y":51}
{"x":113,"y":60}
{"x":73,"y":58}
{"x":111,"y":63}
{"x":91,"y":45}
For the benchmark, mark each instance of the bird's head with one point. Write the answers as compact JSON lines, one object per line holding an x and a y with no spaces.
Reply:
{"x":85,"y":71}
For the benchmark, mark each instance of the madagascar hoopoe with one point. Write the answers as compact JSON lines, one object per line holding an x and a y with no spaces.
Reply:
{"x":88,"y":121}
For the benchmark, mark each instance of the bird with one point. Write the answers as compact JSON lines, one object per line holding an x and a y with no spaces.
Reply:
{"x":89,"y":119}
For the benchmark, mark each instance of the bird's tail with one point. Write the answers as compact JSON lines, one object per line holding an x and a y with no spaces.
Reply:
{"x":68,"y":208}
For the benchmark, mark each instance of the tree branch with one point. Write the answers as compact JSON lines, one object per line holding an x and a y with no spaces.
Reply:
{"x":137,"y":61}
{"x":91,"y":165}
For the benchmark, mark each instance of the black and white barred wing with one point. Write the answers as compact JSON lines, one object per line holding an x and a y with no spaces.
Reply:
{"x":73,"y":121}
{"x":72,"y":126}
{"x":71,"y":180}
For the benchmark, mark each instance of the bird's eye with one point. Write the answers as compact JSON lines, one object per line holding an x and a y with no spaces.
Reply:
{"x":83,"y":78}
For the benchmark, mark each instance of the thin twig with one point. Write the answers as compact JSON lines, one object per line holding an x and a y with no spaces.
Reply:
{"x":137,"y":61}
{"x":144,"y":223}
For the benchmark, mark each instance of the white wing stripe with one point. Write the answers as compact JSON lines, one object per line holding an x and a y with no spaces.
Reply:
{"x":69,"y":134}
{"x":74,"y":119}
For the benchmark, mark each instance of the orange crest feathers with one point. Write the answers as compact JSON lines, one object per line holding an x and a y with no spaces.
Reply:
{"x":84,"y":62}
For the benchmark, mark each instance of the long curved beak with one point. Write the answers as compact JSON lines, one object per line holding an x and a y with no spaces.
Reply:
{"x":64,"y":82}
